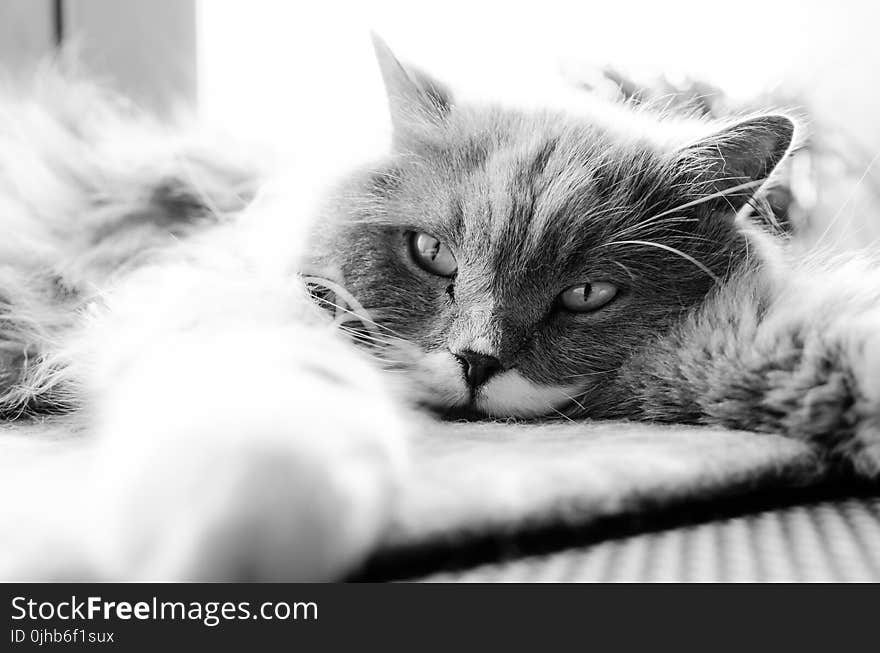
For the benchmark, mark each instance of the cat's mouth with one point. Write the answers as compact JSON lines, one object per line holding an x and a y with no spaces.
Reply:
{"x":440,"y":387}
{"x":507,"y":396}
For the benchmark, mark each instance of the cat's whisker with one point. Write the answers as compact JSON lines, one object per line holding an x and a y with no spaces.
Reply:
{"x":345,"y":318}
{"x":359,"y":311}
{"x":849,"y":198}
{"x":345,"y":314}
{"x":359,"y":317}
{"x":629,"y":272}
{"x":650,"y":222}
{"x":668,"y":248}
{"x":579,"y":404}
{"x":372,"y":344}
{"x":362,"y":337}
{"x":708,"y":198}
{"x":586,"y":374}
{"x":380,"y":349}
{"x":366,"y":338}
{"x":559,"y":412}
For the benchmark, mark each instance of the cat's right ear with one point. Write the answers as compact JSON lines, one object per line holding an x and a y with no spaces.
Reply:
{"x":737,"y":161}
{"x":416,"y":100}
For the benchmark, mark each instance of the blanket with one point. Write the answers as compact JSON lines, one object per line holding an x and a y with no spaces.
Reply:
{"x":473,"y":481}
{"x":488,"y":486}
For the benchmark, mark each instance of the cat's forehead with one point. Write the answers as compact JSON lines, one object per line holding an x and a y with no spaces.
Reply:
{"x":526,"y":193}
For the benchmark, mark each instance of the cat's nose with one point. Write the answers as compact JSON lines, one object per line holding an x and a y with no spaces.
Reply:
{"x":478,"y":368}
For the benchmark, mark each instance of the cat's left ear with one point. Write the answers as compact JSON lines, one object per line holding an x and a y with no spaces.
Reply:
{"x":740,"y":158}
{"x":416,"y":100}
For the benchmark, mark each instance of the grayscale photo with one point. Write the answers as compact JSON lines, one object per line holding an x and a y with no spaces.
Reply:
{"x":471,"y":292}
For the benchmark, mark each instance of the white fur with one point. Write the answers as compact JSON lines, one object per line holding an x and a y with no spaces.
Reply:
{"x":229,"y":430}
{"x":235,"y":434}
{"x":444,"y":381}
{"x":511,"y":394}
{"x":251,"y":469}
{"x":436,"y":379}
{"x":286,"y":446}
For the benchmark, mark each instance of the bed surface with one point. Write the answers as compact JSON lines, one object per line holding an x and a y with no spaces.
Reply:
{"x":831,"y":539}
{"x":597,"y":502}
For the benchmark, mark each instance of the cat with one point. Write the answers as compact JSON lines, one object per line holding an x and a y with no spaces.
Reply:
{"x":544,"y":264}
{"x":249,"y":366}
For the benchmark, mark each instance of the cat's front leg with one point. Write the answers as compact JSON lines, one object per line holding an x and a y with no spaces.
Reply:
{"x":248,"y":453}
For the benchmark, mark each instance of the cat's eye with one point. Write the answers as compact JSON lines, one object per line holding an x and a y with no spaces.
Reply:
{"x":587,"y":297}
{"x":431,"y":254}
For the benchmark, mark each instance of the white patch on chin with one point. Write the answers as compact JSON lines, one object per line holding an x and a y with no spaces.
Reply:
{"x":510,"y":394}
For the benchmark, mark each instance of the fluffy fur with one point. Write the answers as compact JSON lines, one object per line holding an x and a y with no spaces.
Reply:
{"x":142,"y":299}
{"x":153,"y":290}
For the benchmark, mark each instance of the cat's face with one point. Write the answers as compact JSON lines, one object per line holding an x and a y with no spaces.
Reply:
{"x":513,"y":262}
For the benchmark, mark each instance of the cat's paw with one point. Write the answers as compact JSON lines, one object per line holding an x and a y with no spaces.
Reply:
{"x":864,"y":452}
{"x":255,"y":468}
{"x":866,"y":459}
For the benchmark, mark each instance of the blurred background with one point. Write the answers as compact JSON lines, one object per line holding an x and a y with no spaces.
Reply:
{"x":301,"y":76}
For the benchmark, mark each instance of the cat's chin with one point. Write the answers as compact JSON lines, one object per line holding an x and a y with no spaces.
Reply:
{"x":510,"y":395}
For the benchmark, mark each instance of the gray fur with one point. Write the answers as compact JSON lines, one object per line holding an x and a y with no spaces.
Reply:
{"x":532,"y":203}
